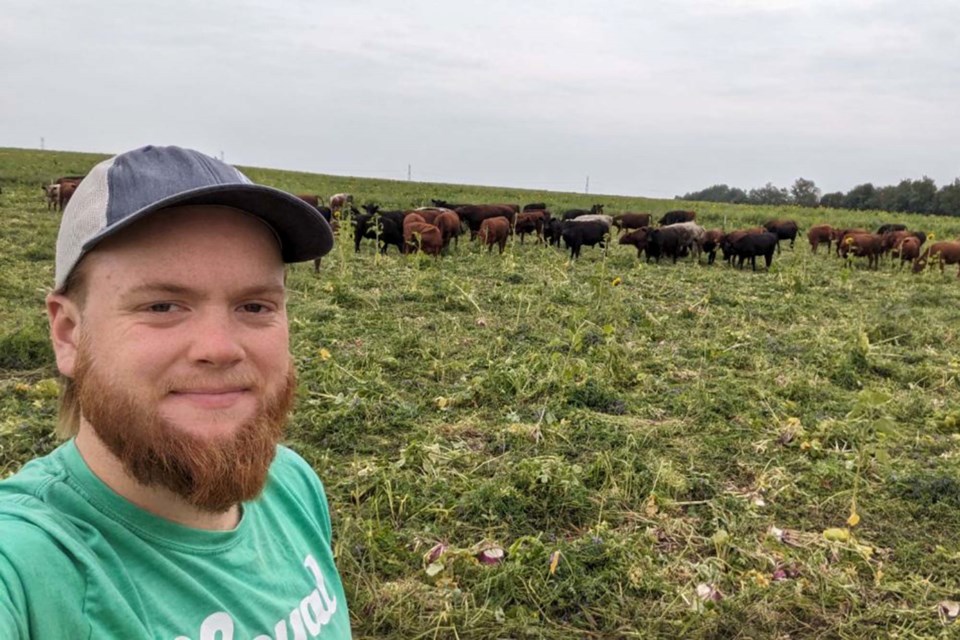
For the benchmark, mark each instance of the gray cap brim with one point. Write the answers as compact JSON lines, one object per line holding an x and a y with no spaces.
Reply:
{"x":303,"y":233}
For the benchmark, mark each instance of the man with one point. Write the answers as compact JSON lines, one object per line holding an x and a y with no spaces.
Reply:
{"x":172,"y":512}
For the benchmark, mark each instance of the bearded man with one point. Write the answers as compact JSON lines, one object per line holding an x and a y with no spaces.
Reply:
{"x":172,"y":512}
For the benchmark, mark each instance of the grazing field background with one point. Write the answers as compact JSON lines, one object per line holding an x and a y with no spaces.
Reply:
{"x":672,"y":450}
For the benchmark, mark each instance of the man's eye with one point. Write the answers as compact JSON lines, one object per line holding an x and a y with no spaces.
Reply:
{"x":161,"y":307}
{"x":255,"y":307}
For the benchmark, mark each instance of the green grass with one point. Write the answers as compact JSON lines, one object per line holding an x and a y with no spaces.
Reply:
{"x":653,"y":433}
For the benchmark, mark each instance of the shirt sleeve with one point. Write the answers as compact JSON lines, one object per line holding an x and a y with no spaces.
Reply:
{"x":13,"y":603}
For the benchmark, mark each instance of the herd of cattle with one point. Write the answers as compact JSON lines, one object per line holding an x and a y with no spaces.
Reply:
{"x":676,"y":235}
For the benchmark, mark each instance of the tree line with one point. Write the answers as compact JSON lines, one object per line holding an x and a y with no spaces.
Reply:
{"x":910,"y":196}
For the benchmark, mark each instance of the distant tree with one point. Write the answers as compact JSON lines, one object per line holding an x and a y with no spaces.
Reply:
{"x":860,"y":197}
{"x":916,"y":196}
{"x":718,"y":193}
{"x":948,"y":199}
{"x":884,"y":199}
{"x":768,"y":194}
{"x":834,"y":200}
{"x":805,"y":193}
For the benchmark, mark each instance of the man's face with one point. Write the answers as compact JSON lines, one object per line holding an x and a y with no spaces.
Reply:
{"x":183,"y":368}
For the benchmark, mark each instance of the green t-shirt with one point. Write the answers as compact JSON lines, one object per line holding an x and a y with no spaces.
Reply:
{"x":79,"y":561}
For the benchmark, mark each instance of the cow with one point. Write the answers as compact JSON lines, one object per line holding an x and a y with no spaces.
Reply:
{"x":339,"y":200}
{"x":529,"y":223}
{"x":553,"y":230}
{"x":494,"y":231}
{"x":453,"y":206}
{"x":783,"y":229}
{"x":945,"y":252}
{"x":751,"y":245}
{"x":594,"y":217}
{"x":418,"y":234}
{"x":711,"y":242}
{"x":841,"y":234}
{"x":475,"y":214}
{"x":449,"y":224}
{"x":890,"y":226}
{"x":52,"y":193}
{"x":66,"y":192}
{"x":668,"y":241}
{"x":864,"y":245}
{"x":385,"y":225}
{"x":820,"y":233}
{"x":909,"y":249}
{"x":429,"y":214}
{"x":691,"y":237}
{"x":729,"y":240}
{"x":639,"y":239}
{"x":314,"y":200}
{"x":630,"y":221}
{"x":577,"y":234}
{"x":534,"y":206}
{"x":570,"y":214}
{"x":674,"y":217}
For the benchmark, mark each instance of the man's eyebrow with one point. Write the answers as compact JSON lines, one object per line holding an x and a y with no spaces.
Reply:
{"x":182,"y":291}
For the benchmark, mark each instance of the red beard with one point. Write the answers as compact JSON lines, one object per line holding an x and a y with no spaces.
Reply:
{"x":212,"y":474}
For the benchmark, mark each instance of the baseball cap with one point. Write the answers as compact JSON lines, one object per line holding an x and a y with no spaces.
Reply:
{"x":119,"y":191}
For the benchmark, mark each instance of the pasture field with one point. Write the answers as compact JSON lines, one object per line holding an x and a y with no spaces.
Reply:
{"x":675,"y":451}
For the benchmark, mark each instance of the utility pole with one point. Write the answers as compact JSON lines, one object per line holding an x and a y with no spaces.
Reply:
{"x":586,"y":189}
{"x":409,"y":173}
{"x":42,"y":144}
{"x":221,"y":155}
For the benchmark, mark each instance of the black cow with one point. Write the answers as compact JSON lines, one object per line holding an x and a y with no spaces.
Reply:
{"x":534,"y":206}
{"x":387,"y":224}
{"x":666,"y":242}
{"x":577,"y":234}
{"x":674,"y":217}
{"x":752,"y":245}
{"x":891,"y":226}
{"x":783,"y":229}
{"x":553,"y":231}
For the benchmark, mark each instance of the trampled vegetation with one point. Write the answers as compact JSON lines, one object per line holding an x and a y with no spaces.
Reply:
{"x":657,"y":450}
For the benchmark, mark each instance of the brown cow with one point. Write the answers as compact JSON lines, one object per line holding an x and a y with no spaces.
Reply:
{"x":449,"y":224}
{"x":630,"y":221}
{"x":429,"y":214}
{"x":820,"y":233}
{"x":908,"y":249}
{"x":638,"y":238}
{"x":944,"y":252}
{"x":339,"y":200}
{"x":66,"y":192}
{"x":864,"y":245}
{"x":675,"y":217}
{"x":417,"y":234}
{"x":494,"y":231}
{"x":840,"y":235}
{"x":530,"y":222}
{"x":475,"y":214}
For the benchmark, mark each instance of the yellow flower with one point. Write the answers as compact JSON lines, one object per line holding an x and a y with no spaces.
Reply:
{"x":616,"y":281}
{"x":324,"y":354}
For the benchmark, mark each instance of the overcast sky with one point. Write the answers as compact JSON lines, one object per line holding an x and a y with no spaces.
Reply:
{"x":653,"y":99}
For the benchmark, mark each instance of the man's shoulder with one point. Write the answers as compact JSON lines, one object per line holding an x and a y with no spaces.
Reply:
{"x":294,"y":486}
{"x":289,"y":467}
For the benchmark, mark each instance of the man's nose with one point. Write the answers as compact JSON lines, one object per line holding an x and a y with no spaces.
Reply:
{"x":217,"y":340}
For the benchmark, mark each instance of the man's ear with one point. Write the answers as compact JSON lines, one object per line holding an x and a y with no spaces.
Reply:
{"x":64,"y":316}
